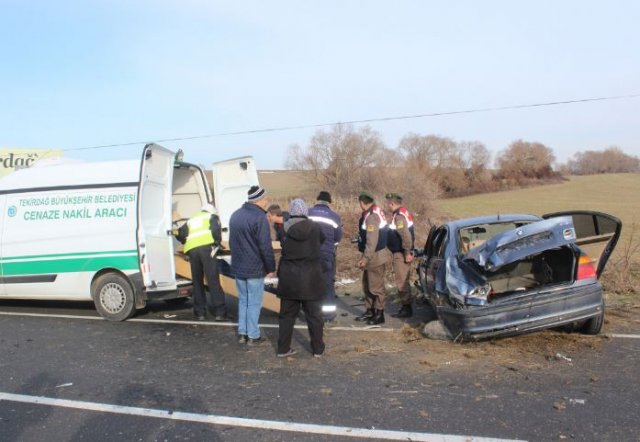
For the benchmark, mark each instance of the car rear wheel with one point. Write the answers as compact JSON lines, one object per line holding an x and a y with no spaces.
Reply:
{"x":113,"y":297}
{"x":594,"y":325}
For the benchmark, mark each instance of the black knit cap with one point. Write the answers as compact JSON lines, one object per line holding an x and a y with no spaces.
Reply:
{"x":255,"y":194}
{"x":324,"y":196}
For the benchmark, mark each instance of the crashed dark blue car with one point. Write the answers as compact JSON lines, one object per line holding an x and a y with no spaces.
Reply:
{"x":509,"y":274}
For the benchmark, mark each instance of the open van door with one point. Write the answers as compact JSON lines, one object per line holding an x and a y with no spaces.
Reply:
{"x":3,"y":213}
{"x":597,"y":234}
{"x":232,"y":179}
{"x":155,"y":242}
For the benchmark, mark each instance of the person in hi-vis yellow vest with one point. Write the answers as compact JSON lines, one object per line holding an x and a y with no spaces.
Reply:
{"x":201,"y":236}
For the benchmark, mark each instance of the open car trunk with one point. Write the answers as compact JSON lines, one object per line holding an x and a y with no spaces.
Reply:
{"x":530,"y":256}
{"x":539,"y":254}
{"x":549,"y":267}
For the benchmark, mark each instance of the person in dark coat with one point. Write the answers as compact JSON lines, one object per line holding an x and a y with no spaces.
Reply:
{"x":331,"y":226}
{"x":300,"y":280}
{"x":252,"y":259}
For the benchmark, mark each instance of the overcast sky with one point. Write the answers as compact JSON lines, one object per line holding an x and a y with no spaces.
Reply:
{"x":87,"y":73}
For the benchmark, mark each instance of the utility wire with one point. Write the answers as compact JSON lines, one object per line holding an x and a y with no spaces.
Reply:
{"x":368,"y":120}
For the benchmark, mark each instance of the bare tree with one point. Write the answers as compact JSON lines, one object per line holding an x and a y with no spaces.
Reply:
{"x":436,"y":158}
{"x":610,"y":160}
{"x":344,"y":160}
{"x":524,"y":160}
{"x":477,"y":159}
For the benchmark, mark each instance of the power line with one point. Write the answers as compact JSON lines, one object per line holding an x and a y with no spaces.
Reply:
{"x":368,"y":120}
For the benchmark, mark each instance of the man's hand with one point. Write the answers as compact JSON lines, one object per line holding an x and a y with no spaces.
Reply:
{"x":408,"y":258}
{"x":271,"y":275}
{"x":362,"y":264}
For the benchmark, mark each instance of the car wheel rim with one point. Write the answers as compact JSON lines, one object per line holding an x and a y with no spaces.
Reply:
{"x":113,"y":298}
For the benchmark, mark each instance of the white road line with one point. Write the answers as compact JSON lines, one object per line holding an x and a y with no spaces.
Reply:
{"x":373,"y":328}
{"x":187,"y":322}
{"x":617,"y":335}
{"x":328,"y":430}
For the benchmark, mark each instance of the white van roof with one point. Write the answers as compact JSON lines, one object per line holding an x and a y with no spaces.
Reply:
{"x":73,"y":174}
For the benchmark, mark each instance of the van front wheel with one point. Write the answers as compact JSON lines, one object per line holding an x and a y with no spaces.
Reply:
{"x":113,"y":296}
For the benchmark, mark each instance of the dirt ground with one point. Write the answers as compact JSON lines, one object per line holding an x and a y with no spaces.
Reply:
{"x":412,"y":351}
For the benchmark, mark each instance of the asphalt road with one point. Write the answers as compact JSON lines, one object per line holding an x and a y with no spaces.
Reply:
{"x":163,"y":380}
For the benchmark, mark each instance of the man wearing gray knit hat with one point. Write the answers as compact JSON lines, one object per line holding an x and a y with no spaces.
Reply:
{"x":252,"y":259}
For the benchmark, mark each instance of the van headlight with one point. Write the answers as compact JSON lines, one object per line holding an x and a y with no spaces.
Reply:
{"x":478,"y":296}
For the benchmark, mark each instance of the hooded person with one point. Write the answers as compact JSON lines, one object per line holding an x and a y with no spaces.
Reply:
{"x":300,"y":280}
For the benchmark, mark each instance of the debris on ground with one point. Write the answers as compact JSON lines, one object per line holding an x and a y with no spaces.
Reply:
{"x":560,"y":405}
{"x":560,"y":356}
{"x":436,"y":330}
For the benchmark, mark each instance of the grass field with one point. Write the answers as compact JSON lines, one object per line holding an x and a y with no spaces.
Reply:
{"x":616,"y":194}
{"x":285,"y":184}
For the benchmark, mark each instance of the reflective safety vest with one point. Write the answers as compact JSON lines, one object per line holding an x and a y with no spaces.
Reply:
{"x":382,"y":226}
{"x":199,"y":231}
{"x":395,"y":240}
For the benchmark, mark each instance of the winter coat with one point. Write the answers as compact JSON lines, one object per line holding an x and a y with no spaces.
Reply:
{"x":331,"y":225}
{"x":250,"y":243}
{"x":300,"y":269}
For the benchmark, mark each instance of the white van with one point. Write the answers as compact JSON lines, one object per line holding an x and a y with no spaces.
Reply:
{"x":101,"y":231}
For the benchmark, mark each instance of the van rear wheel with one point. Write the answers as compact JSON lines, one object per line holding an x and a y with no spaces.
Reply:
{"x":113,"y":297}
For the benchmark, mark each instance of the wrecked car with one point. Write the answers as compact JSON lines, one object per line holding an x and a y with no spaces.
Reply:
{"x":509,"y":274}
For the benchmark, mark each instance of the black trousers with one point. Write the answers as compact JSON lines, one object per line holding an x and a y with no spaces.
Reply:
{"x":203,"y":264}
{"x":329,"y":275}
{"x":289,"y":309}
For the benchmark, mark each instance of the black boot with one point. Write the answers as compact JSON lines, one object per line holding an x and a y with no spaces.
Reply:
{"x":378,"y":318}
{"x":405,"y":312}
{"x":368,"y":314}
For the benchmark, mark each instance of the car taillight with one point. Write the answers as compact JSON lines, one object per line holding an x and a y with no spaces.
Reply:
{"x":585,"y":268}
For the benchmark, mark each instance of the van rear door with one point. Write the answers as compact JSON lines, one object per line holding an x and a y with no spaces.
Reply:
{"x":155,"y":243}
{"x":231,"y":182}
{"x":3,"y":213}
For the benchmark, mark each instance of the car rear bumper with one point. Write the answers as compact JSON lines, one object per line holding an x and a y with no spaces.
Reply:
{"x":525,"y":314}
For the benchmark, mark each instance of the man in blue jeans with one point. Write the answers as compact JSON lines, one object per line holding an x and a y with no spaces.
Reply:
{"x":251,"y":259}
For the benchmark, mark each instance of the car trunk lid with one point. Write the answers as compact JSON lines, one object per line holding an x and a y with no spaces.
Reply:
{"x":516,"y":244}
{"x":597,"y":234}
